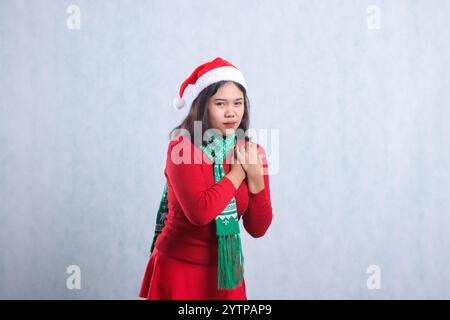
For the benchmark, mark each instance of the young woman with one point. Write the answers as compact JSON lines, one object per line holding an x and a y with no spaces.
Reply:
{"x":215,"y":178}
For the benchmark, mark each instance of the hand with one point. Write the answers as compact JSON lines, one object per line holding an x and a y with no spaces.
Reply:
{"x":236,"y":174}
{"x":236,"y":166}
{"x":250,"y":159}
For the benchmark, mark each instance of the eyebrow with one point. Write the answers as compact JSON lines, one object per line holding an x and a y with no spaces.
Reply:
{"x":216,"y":99}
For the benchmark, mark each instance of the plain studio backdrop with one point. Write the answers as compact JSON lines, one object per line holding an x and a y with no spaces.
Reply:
{"x":358,"y":91}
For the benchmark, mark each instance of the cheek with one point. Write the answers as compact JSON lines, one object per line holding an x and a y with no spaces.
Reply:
{"x":214,"y":115}
{"x":241,"y":113}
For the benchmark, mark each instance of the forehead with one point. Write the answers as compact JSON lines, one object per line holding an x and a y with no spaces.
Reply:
{"x":228,"y":91}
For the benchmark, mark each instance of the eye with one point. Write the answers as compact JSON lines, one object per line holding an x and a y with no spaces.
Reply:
{"x":238,"y":103}
{"x":219,"y":104}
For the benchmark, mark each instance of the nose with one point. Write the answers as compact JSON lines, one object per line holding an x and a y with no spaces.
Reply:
{"x":229,"y":113}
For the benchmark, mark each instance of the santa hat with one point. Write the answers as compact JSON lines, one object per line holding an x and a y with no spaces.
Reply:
{"x":206,"y":74}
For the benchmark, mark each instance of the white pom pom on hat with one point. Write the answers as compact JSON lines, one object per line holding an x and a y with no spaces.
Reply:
{"x":206,"y":74}
{"x":178,"y":103}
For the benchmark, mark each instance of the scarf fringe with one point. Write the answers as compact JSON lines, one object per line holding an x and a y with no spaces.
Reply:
{"x":230,"y":268}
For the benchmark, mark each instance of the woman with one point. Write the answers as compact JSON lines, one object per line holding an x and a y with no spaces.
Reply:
{"x":212,"y":182}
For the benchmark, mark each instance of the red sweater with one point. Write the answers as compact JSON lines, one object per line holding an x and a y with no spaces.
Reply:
{"x":194,"y":201}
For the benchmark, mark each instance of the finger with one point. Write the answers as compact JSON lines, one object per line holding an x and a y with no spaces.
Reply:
{"x":261,"y":158}
{"x":244,"y":156}
{"x":233,"y":158}
{"x":239,"y":154}
{"x":253,"y":153}
{"x":251,"y":147}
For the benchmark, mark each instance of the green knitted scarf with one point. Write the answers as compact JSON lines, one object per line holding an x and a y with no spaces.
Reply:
{"x":230,"y":266}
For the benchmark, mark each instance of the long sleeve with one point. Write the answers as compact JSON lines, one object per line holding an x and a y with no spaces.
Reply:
{"x":200,"y":203}
{"x":258,"y":216}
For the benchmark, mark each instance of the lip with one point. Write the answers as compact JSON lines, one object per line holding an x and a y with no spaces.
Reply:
{"x":229,"y":124}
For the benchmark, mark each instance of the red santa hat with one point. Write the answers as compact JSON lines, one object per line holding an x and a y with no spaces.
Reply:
{"x":206,"y":74}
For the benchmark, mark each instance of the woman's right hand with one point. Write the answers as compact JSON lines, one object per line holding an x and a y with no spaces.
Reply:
{"x":236,"y":165}
{"x":237,"y":173}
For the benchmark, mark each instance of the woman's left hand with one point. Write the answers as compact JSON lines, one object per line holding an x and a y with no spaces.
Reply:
{"x":250,"y":159}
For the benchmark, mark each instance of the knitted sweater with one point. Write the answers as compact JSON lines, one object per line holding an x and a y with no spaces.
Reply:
{"x":194,"y":200}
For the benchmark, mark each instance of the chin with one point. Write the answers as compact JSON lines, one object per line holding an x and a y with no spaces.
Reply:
{"x":228,"y":131}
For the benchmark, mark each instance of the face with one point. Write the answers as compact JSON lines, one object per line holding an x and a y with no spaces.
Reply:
{"x":226,"y":108}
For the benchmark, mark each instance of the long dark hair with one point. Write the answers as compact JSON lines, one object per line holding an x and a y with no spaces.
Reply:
{"x":199,"y":111}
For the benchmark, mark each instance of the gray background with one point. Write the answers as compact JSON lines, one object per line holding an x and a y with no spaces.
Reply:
{"x":363,"y":117}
